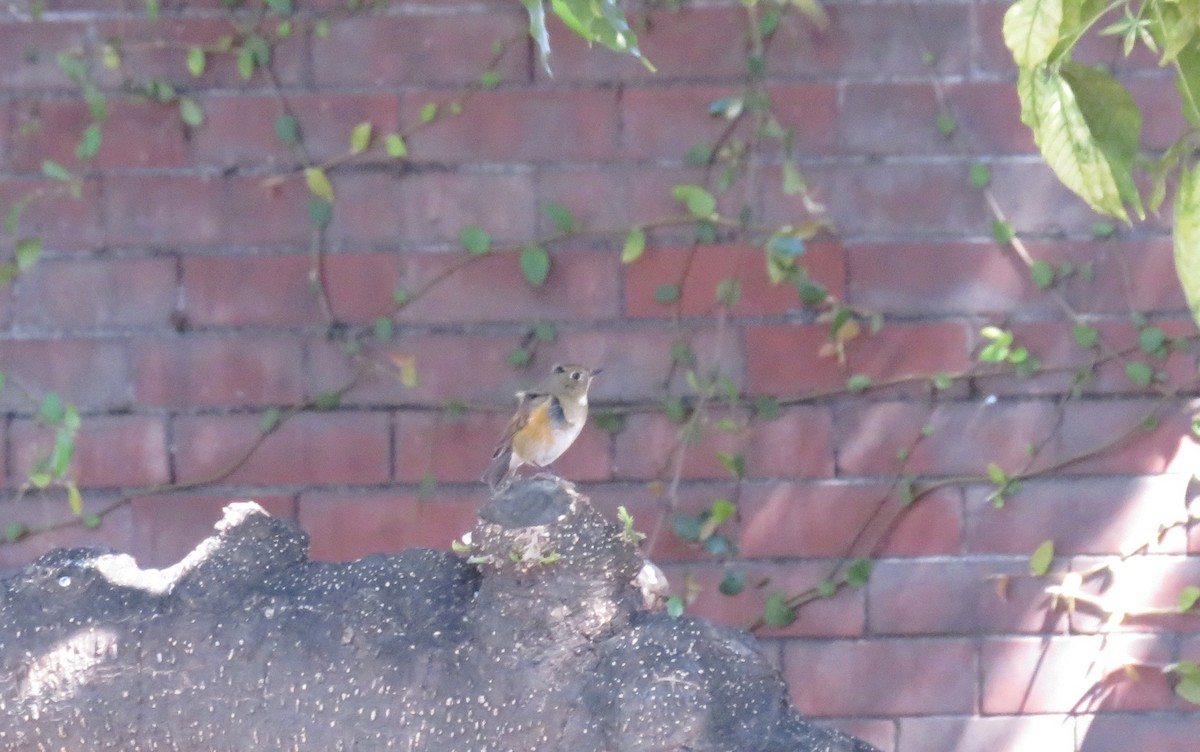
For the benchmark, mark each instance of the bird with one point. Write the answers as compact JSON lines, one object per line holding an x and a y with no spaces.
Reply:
{"x":548,"y":420}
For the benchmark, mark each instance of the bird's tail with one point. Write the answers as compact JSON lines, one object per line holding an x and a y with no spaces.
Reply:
{"x":499,"y":470}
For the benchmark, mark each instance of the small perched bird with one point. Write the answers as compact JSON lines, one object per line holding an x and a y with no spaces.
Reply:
{"x":548,"y":420}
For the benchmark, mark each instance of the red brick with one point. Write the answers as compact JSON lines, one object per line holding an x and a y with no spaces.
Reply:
{"x":646,"y":448}
{"x":1036,"y":203}
{"x":347,"y":526}
{"x":36,"y":513}
{"x":900,"y":350}
{"x":1087,"y":426}
{"x":197,"y":370}
{"x":28,"y":52}
{"x":433,"y":207}
{"x":839,"y":616}
{"x":598,"y":197}
{"x":96,"y":294}
{"x":1159,"y":96}
{"x":495,"y":126}
{"x":458,"y":449}
{"x":1045,"y":733}
{"x":841,"y":519}
{"x":91,"y":373}
{"x":255,"y":211}
{"x":663,"y":123}
{"x":248,"y":291}
{"x":1072,"y":674}
{"x":1081,"y":515}
{"x":891,"y":118}
{"x":876,"y":200}
{"x":966,"y":437}
{"x":312,"y":448}
{"x":136,"y":134}
{"x":167,"y":527}
{"x":711,"y":264}
{"x":110,"y":450}
{"x":876,"y":41}
{"x":784,"y":360}
{"x":163,"y":210}
{"x":829,"y":678}
{"x":158,"y":49}
{"x":957,"y":597}
{"x":434,"y":48}
{"x":1159,"y":732}
{"x":62,"y":222}
{"x":581,"y":285}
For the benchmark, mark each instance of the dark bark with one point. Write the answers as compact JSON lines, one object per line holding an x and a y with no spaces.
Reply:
{"x":542,"y":644}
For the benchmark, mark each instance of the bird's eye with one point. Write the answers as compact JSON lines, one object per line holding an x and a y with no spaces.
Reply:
{"x":575,"y":375}
{"x":559,"y":369}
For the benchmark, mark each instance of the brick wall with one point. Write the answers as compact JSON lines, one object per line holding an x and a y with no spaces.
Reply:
{"x":172,"y":305}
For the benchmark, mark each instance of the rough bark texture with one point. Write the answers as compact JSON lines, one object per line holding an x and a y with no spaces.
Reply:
{"x":542,"y":644}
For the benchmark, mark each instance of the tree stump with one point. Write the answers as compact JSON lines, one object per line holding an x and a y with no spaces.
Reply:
{"x":539,"y":642}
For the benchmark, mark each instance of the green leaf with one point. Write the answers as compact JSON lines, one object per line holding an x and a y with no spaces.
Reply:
{"x":666,"y":294}
{"x":385,"y":329}
{"x":52,"y":410}
{"x":793,"y":181}
{"x":562,"y":217}
{"x":475,"y":240}
{"x":777,"y":612}
{"x":1188,"y":597}
{"x":320,"y":211}
{"x":981,"y":176}
{"x":1031,"y":30}
{"x":270,"y":420}
{"x":400,"y":296}
{"x":360,"y":137}
{"x":1187,"y":237}
{"x":906,"y":491}
{"x":428,"y":486}
{"x":328,"y":400}
{"x":682,"y":353}
{"x":826,"y":588}
{"x":700,"y":203}
{"x":859,"y":572}
{"x":635,"y":246}
{"x":535,"y":264}
{"x":28,"y":251}
{"x":74,"y":499}
{"x":190,"y":112}
{"x":1043,"y":274}
{"x":321,"y":28}
{"x":1189,"y":689}
{"x":280,"y":7}
{"x":1053,"y":106}
{"x":942,"y":381}
{"x":996,"y":474}
{"x":490,"y":79}
{"x":1043,"y":556}
{"x":395,"y":146}
{"x":91,"y":521}
{"x":287,"y":130}
{"x":64,"y":450}
{"x":518,"y":357}
{"x":1139,"y":373}
{"x":609,"y":422}
{"x":674,"y":409}
{"x":429,"y":112}
{"x":675,"y":607}
{"x":12,"y":216}
{"x":15,"y":531}
{"x":89,"y":144}
{"x":732,"y":583}
{"x":196,"y":61}
{"x":858,"y":383}
{"x":729,"y":292}
{"x":1085,"y":336}
{"x":767,"y":408}
{"x":245,"y":63}
{"x":1103,"y":229}
{"x":545,"y":332}
{"x":318,"y":183}
{"x":734,"y":463}
{"x":722,"y":510}
{"x":1002,"y":231}
{"x":52,"y":169}
{"x":946,"y":125}
{"x":1151,"y":340}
